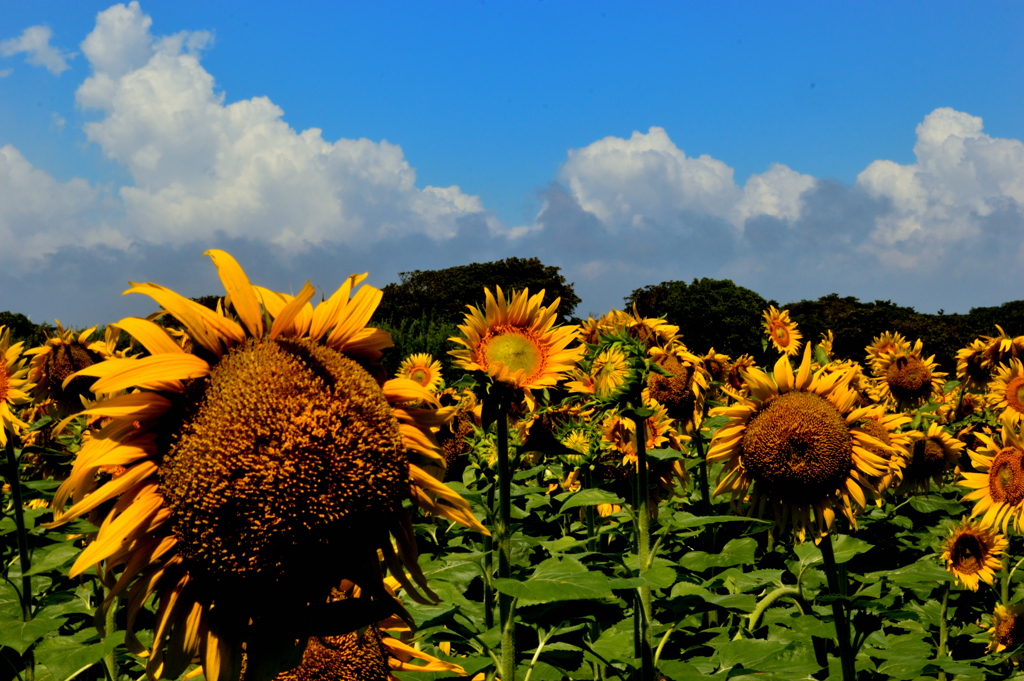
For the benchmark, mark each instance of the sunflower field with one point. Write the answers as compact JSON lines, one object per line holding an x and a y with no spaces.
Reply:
{"x":240,"y":491}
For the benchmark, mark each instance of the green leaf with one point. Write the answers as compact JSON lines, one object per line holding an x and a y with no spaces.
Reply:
{"x":616,"y":643}
{"x":748,"y":652}
{"x":930,"y":504}
{"x":683,"y":520}
{"x":53,"y":558}
{"x":744,"y":602}
{"x":21,"y":635}
{"x":591,"y":496}
{"x":844,"y":547}
{"x":557,"y":580}
{"x":664,"y":454}
{"x":658,"y":577}
{"x":64,"y":656}
{"x":924,"y":572}
{"x":736,"y":552}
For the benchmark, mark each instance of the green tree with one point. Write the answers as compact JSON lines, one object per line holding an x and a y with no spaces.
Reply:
{"x":442,"y":295}
{"x":709,"y":312}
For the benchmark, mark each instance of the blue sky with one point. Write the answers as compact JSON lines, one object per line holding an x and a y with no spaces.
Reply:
{"x":867,"y":149}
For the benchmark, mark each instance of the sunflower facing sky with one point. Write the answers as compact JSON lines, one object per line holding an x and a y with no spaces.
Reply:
{"x":906,"y":380}
{"x":797,"y":444}
{"x":421,"y":368}
{"x":257,"y":472}
{"x":998,"y":484}
{"x":515,"y":341}
{"x":974,"y":554}
{"x":781,"y":331}
{"x":14,"y":384}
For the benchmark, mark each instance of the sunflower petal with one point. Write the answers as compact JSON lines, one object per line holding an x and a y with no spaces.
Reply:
{"x":247,"y":305}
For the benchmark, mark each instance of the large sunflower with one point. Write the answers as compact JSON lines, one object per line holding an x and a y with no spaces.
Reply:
{"x":782,"y":331}
{"x":258,"y":471}
{"x":797,"y":444}
{"x":907,"y":380}
{"x":421,"y":368}
{"x":1006,"y":390}
{"x":516,"y":342}
{"x":14,"y":384}
{"x":973,"y":554}
{"x":999,"y":483}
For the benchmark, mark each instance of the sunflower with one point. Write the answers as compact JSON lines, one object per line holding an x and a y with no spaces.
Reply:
{"x":781,"y":331}
{"x":798,"y":444}
{"x":269,"y":461}
{"x":826,"y":342}
{"x":717,"y":365}
{"x":421,"y":368}
{"x":973,"y":368}
{"x":931,"y":456}
{"x":1002,"y":348}
{"x":610,"y":371}
{"x":619,"y":433}
{"x":887,"y":429}
{"x":906,"y":380}
{"x":882,"y":345}
{"x":1006,"y":391}
{"x":515,"y":341}
{"x":684,"y":391}
{"x":735,"y":380}
{"x":62,"y":355}
{"x":972,"y":554}
{"x":1007,"y":630}
{"x":999,"y":483}
{"x":14,"y":384}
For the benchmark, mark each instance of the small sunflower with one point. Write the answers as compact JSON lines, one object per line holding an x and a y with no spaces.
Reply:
{"x":1006,"y":391}
{"x":515,"y":341}
{"x":1007,"y":630}
{"x":907,"y":380}
{"x":798,"y":444}
{"x":973,"y":554}
{"x":1001,"y":348}
{"x":735,"y":380}
{"x":999,"y":483}
{"x":781,"y":331}
{"x":651,"y":331}
{"x":717,"y":365}
{"x":684,"y":391}
{"x":610,"y":372}
{"x":888,"y":429}
{"x":62,"y":355}
{"x":888,"y":342}
{"x":826,"y":342}
{"x":931,"y":457}
{"x":14,"y":384}
{"x":269,"y":461}
{"x":421,"y":368}
{"x":973,"y":368}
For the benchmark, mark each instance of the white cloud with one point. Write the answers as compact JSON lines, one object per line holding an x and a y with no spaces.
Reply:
{"x":648,"y":180}
{"x":35,"y":42}
{"x":40,"y":214}
{"x":201,"y":167}
{"x":961,"y":176}
{"x":6,"y":72}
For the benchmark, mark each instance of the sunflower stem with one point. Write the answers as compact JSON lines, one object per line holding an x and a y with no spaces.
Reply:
{"x":489,"y":563}
{"x":505,"y":605}
{"x":943,"y":628}
{"x":110,"y":626}
{"x":642,"y":613}
{"x":838,"y":609}
{"x":589,"y":515}
{"x":705,"y":492}
{"x":14,"y":479}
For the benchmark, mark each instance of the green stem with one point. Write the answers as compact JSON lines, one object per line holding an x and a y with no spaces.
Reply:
{"x":110,"y":626}
{"x":590,"y":514}
{"x":643,"y":520}
{"x":14,"y":479}
{"x":489,"y":562}
{"x":705,"y":491}
{"x":943,"y":628}
{"x":1005,"y":592}
{"x":505,"y":603}
{"x":838,"y":609}
{"x":789,"y":592}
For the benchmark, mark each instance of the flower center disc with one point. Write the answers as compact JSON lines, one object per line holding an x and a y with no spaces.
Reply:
{"x":928,"y":458}
{"x":798,"y":447}
{"x":62,"y":361}
{"x":514,"y":349}
{"x":875,"y":429}
{"x":1008,"y":630}
{"x":1006,"y":477}
{"x":968,"y":554}
{"x":675,"y":392}
{"x":287,"y":450}
{"x":420,"y":376}
{"x":5,"y":382}
{"x":781,"y":334}
{"x":1015,"y":394}
{"x":909,"y":379}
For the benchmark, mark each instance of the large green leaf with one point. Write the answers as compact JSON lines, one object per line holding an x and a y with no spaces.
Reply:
{"x":658,"y":577}
{"x":53,"y":557}
{"x":735,"y":552}
{"x":21,"y":635}
{"x":749,"y":652}
{"x":591,"y":496}
{"x":844,"y":547}
{"x":557,"y":579}
{"x":62,"y":657}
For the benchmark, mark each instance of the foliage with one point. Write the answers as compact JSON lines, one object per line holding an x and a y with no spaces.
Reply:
{"x":444,"y":294}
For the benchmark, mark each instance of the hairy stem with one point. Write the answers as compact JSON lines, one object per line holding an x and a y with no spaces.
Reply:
{"x":838,"y":609}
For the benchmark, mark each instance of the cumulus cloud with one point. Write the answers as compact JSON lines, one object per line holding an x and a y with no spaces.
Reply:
{"x":34,"y":41}
{"x":962,"y":178}
{"x":201,"y":167}
{"x":40,"y":215}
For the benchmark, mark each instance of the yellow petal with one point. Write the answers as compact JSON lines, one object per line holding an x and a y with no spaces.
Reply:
{"x":247,"y":306}
{"x":285,"y":321}
{"x":211,"y":330}
{"x":150,"y":335}
{"x":120,"y":374}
